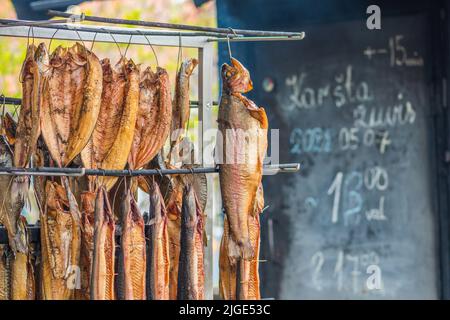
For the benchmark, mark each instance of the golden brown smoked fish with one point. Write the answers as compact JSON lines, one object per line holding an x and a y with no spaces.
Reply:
{"x":102,"y":277}
{"x":132,"y":257}
{"x":5,"y":272}
{"x":153,"y":119}
{"x":87,"y":243}
{"x":71,"y":101}
{"x":22,"y":273}
{"x":28,"y":123}
{"x":247,"y":287}
{"x":60,"y":245}
{"x":191,"y":269}
{"x":181,"y":104}
{"x":111,"y":140}
{"x":242,"y":143}
{"x":157,"y":247}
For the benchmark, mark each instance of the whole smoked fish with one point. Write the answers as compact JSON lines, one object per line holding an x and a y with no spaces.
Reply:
{"x":87,"y":243}
{"x":102,"y":276}
{"x":71,"y":101}
{"x":191,"y":269}
{"x":60,"y":245}
{"x":157,"y":247}
{"x":132,"y":255}
{"x":181,"y":103}
{"x":22,"y":271}
{"x":28,"y":128}
{"x":153,"y":118}
{"x":111,"y":140}
{"x":242,"y":144}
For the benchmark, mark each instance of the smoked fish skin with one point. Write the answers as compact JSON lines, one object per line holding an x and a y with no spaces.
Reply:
{"x":60,"y":245}
{"x":246,"y":286}
{"x":28,"y":128}
{"x":181,"y":103}
{"x":102,"y":276}
{"x":191,"y":268}
{"x":153,"y":118}
{"x":112,"y":137}
{"x":132,"y":258}
{"x":157,"y":247}
{"x":85,"y":119}
{"x":87,"y":243}
{"x":241,"y":144}
{"x":22,"y":273}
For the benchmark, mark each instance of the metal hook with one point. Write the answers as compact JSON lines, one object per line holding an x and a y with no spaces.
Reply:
{"x":3,"y":110}
{"x":128,"y":45}
{"x":93,"y":41}
{"x":130,"y":172}
{"x":118,"y":47}
{"x":51,"y":39}
{"x":180,"y":53}
{"x":229,"y":47}
{"x":154,"y":52}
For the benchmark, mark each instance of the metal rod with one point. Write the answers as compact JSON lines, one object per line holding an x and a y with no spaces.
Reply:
{"x":78,"y":172}
{"x":107,"y":30}
{"x":249,"y":39}
{"x":9,"y":100}
{"x":229,"y":31}
{"x":9,"y":22}
{"x":18,"y":101}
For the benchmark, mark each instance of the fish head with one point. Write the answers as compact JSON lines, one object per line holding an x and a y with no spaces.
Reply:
{"x":236,"y":78}
{"x":41,"y":55}
{"x":188,"y":66}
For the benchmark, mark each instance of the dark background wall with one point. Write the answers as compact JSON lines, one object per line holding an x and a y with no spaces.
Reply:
{"x":310,"y":252}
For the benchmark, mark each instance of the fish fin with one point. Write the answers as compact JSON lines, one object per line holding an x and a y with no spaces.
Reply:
{"x":261,"y":116}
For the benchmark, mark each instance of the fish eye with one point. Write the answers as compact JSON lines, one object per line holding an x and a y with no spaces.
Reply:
{"x":228,"y":74}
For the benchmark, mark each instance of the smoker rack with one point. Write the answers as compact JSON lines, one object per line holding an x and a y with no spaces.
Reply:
{"x":201,"y":38}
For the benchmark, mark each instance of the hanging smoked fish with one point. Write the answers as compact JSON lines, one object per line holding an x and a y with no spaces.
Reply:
{"x":60,"y":245}
{"x":71,"y":101}
{"x":28,"y":124}
{"x":241,"y":144}
{"x":22,"y":271}
{"x":157,"y":247}
{"x":87,"y":243}
{"x":191,"y":275}
{"x":132,"y":255}
{"x":111,"y":140}
{"x":181,"y":104}
{"x":153,"y":118}
{"x":102,"y":276}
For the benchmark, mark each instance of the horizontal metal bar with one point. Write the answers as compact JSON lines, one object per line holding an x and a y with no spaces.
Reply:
{"x":301,"y":36}
{"x":230,"y":31}
{"x":54,"y":171}
{"x":9,"y":22}
{"x":18,"y":101}
{"x":75,"y":32}
{"x":9,"y":100}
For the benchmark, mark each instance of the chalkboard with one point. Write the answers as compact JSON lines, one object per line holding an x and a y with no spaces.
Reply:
{"x":354,"y":107}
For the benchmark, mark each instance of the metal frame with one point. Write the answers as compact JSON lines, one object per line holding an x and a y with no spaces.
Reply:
{"x":204,"y":44}
{"x":122,"y":35}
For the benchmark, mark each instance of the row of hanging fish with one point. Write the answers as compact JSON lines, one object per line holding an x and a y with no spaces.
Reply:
{"x":78,"y":111}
